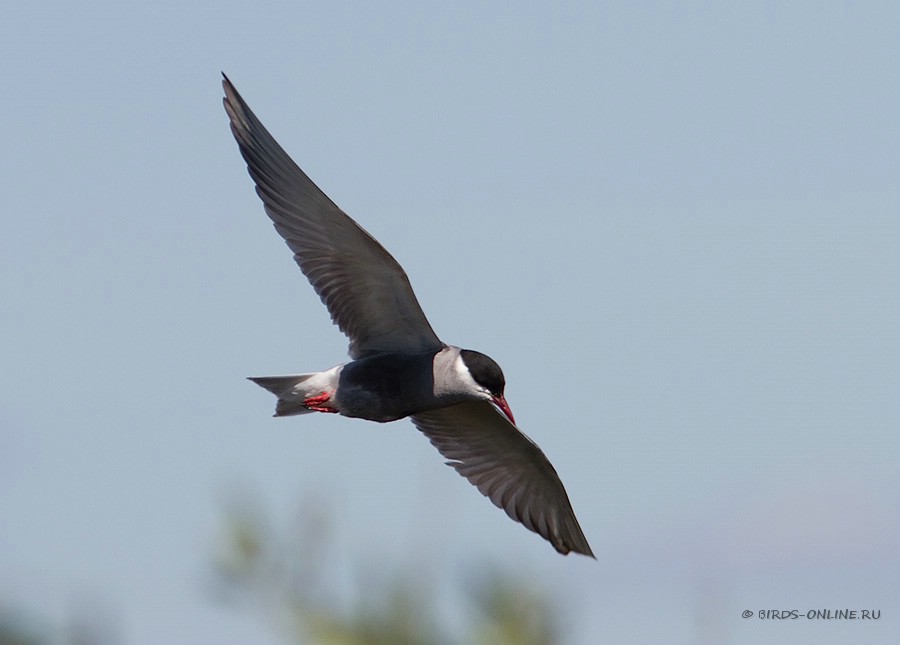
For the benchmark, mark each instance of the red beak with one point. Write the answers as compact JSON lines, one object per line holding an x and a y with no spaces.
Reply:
{"x":501,"y":403}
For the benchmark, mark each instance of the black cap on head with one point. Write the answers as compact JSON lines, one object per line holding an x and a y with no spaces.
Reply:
{"x":484,"y":370}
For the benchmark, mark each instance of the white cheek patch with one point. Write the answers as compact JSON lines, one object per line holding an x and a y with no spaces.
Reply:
{"x":463,"y":374}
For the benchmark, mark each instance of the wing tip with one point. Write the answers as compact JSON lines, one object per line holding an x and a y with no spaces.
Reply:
{"x":574,"y":544}
{"x":582,"y":549}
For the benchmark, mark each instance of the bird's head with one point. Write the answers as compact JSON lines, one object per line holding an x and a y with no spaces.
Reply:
{"x":488,"y":378}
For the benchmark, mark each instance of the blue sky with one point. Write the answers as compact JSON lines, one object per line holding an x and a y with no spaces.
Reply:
{"x":675,"y":227}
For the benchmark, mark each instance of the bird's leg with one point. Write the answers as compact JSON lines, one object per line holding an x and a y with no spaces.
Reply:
{"x":320,"y":403}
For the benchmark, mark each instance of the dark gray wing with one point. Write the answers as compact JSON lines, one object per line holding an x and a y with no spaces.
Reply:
{"x":507,"y":467}
{"x":362,"y":285}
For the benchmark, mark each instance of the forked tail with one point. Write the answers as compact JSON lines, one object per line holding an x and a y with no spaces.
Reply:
{"x":290,"y":397}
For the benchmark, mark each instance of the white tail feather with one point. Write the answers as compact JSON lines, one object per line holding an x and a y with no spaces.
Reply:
{"x":290,"y":396}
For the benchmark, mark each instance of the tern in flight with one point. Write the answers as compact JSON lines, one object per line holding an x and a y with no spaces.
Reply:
{"x":400,"y":368}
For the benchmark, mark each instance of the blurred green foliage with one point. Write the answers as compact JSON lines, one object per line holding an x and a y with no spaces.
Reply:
{"x":285,"y":575}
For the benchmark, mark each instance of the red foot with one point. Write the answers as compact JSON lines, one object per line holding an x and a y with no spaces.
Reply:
{"x":320,"y":403}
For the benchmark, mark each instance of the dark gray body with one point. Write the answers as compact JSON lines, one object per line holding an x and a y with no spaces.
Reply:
{"x":387,"y":387}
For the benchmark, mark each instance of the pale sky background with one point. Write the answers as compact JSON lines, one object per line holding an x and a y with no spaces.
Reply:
{"x":677,"y":230}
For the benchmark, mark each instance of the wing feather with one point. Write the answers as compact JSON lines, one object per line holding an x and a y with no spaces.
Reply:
{"x":365,"y":290}
{"x":506,"y":467}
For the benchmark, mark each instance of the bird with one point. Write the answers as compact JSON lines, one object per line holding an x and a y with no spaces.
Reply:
{"x":399,"y":367}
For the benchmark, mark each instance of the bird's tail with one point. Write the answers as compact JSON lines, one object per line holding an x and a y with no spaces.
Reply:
{"x":289,"y":391}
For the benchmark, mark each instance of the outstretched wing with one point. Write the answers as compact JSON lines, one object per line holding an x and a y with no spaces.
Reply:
{"x":507,"y":467}
{"x":364,"y":288}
